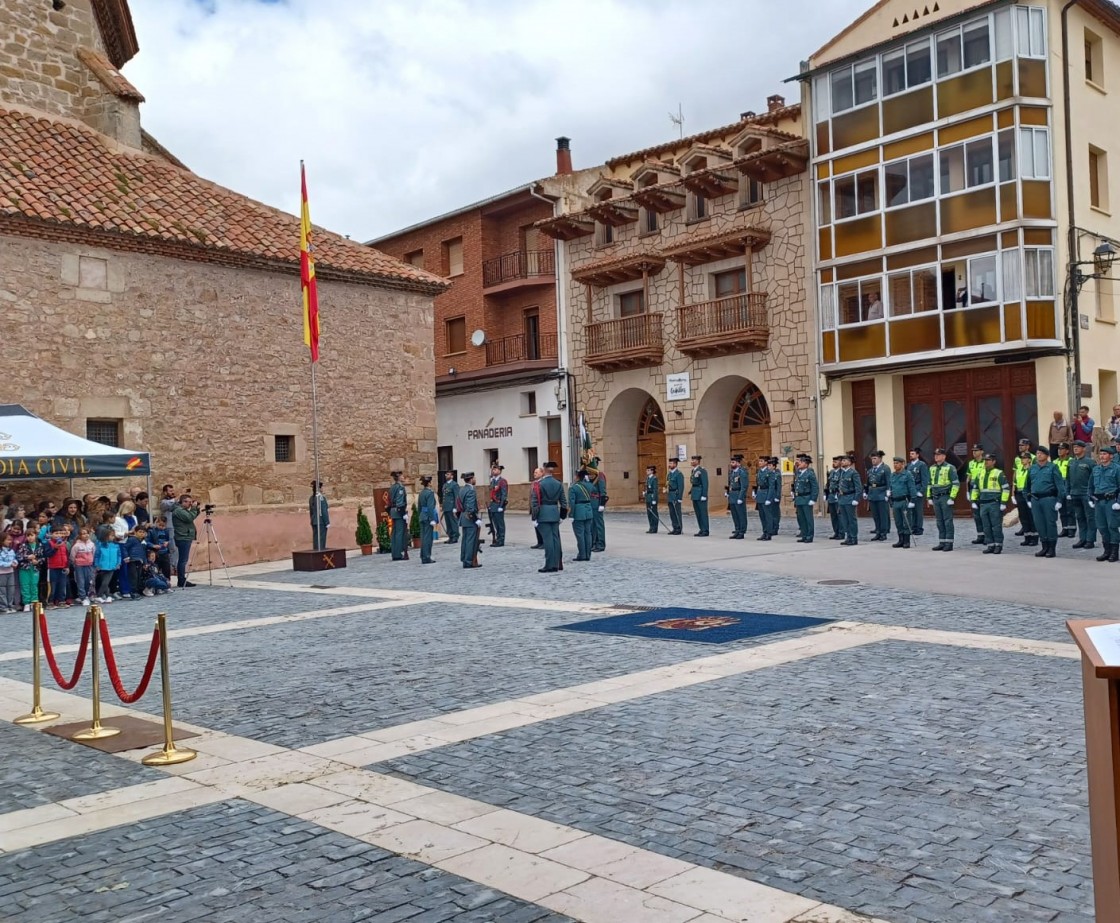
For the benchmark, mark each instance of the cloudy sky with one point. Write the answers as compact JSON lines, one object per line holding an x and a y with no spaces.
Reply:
{"x":404,"y":109}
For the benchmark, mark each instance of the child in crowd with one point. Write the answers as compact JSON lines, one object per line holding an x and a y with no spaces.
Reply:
{"x":135,"y":554}
{"x":155,"y":583}
{"x":108,"y":561}
{"x":159,"y":541}
{"x":9,"y":602}
{"x":29,"y":558}
{"x":58,"y":567}
{"x":81,"y":559}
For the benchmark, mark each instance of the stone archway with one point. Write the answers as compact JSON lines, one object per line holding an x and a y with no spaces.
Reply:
{"x":749,"y":427}
{"x":633,"y":437}
{"x":733,"y":416}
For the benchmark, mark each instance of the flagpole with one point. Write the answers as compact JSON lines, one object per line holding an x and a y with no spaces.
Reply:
{"x":315,"y":455}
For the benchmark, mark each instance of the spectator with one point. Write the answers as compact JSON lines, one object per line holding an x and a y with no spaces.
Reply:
{"x":155,"y":583}
{"x":135,"y":553}
{"x":9,"y":602}
{"x":82,"y":553}
{"x":108,"y":562}
{"x":71,"y":517}
{"x":1114,"y":424}
{"x":182,"y":520}
{"x":143,"y":516}
{"x":30,"y":559}
{"x":1083,"y":425}
{"x":58,"y":567}
{"x":1060,"y":431}
{"x":159,"y":541}
{"x":875,"y":308}
{"x":167,"y":504}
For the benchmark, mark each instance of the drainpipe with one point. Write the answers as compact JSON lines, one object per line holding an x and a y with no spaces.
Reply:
{"x":1073,"y":319}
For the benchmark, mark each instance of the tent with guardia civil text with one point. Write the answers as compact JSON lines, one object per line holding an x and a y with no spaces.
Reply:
{"x":30,"y":447}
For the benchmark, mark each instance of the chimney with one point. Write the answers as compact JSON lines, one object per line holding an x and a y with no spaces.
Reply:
{"x":563,"y":157}
{"x":749,"y":114}
{"x":775,"y":102}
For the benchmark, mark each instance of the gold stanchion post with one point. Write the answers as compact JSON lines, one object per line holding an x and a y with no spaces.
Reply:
{"x":37,"y":714}
{"x":96,"y":731}
{"x":169,"y":755}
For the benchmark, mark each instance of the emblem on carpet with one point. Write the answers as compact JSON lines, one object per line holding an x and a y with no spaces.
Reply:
{"x":702,"y":625}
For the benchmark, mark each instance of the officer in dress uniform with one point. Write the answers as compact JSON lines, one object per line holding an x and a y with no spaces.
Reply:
{"x":920,"y":471}
{"x":990,"y":493}
{"x":579,"y":499}
{"x":537,"y":545}
{"x":548,"y":505}
{"x":649,"y":494}
{"x":320,"y":516}
{"x":973,"y":474}
{"x":449,"y":498}
{"x":1080,"y":472}
{"x":737,"y":497}
{"x":1104,"y":494}
{"x":1062,"y":462}
{"x":1045,"y":489}
{"x":832,"y":479}
{"x":499,"y":494}
{"x":1026,"y":521}
{"x":761,"y":494}
{"x":468,"y":521}
{"x":674,"y":493}
{"x":904,"y":499}
{"x":944,"y":485}
{"x":429,"y":518}
{"x":849,"y":488}
{"x":773,"y":469}
{"x":599,"y":523}
{"x":806,"y":491}
{"x":878,"y":494}
{"x":398,"y":513}
{"x":698,"y":492}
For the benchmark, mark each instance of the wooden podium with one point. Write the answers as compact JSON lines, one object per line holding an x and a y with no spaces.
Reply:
{"x":327,"y":559}
{"x":1100,"y":676}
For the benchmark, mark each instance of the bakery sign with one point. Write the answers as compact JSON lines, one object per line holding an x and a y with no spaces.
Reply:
{"x":490,"y":431}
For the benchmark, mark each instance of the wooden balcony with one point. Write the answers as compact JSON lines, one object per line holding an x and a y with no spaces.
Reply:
{"x":518,"y":269}
{"x":625,"y":343}
{"x":522,"y":349}
{"x":735,"y":324}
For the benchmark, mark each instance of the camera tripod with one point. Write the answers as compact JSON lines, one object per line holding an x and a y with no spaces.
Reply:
{"x":212,"y":539}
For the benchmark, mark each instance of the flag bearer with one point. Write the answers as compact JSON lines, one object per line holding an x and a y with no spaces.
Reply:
{"x":599,"y":523}
{"x":1044,"y":490}
{"x":580,"y":501}
{"x":904,"y":499}
{"x":990,"y":493}
{"x":806,"y":491}
{"x":674,"y":494}
{"x":944,"y":485}
{"x":1080,"y":471}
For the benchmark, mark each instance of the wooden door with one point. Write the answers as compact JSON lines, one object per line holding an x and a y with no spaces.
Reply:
{"x":750,"y":426}
{"x":556,"y":454}
{"x":651,"y":445}
{"x":751,"y":442}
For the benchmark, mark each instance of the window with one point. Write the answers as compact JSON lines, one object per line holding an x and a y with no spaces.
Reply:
{"x":828,"y":307}
{"x":1034,"y":153}
{"x":867,"y":81}
{"x":857,"y":194}
{"x":967,"y":166}
{"x":751,"y":192}
{"x":455,"y":330}
{"x":445,"y":458}
{"x":725,"y":284}
{"x":1038,"y":265}
{"x":907,"y":181}
{"x":491,"y":458}
{"x":820,"y":98}
{"x":604,"y":234}
{"x":907,"y":68}
{"x":1098,"y":179}
{"x":824,"y":203}
{"x":1005,"y":38}
{"x":284,"y":449}
{"x":948,"y":53}
{"x":1006,"y":155}
{"x":453,"y":256}
{"x":855,"y":85}
{"x":531,"y":325}
{"x":860,"y":300}
{"x":977,"y":44}
{"x":913,"y":291}
{"x":1030,"y":29}
{"x":1012,"y":275}
{"x":982,"y":288}
{"x":531,"y":459}
{"x":107,"y":432}
{"x":649,"y":220}
{"x":415,"y":258}
{"x":697,"y":206}
{"x":631,"y":303}
{"x":1094,"y":58}
{"x":528,"y":403}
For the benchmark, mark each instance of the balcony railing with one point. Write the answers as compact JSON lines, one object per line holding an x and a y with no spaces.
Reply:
{"x":520,"y":348}
{"x":628,"y":342}
{"x":733,"y":324}
{"x":519,"y":265}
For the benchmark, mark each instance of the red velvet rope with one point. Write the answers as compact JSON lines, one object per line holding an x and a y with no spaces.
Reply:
{"x":83,"y":646}
{"x":111,"y":664}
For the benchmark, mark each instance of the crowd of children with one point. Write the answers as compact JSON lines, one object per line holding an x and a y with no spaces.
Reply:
{"x":92,"y":550}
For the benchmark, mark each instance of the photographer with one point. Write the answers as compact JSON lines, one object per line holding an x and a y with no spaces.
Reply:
{"x":182,"y":520}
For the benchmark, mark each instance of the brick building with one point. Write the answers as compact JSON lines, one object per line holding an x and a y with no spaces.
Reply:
{"x":162,"y":310}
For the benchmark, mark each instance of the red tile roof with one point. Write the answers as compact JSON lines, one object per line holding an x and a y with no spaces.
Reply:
{"x":113,"y":80}
{"x":64,"y":180}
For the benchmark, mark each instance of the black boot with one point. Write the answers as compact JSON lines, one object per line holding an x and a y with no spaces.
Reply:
{"x":999,"y":549}
{"x":1106,"y":553}
{"x":979,"y":540}
{"x":1044,"y":552}
{"x":1115,"y":556}
{"x":948,"y":546}
{"x":1021,"y":531}
{"x":1051,"y":549}
{"x":899,"y":543}
{"x":1030,"y":541}
{"x":1080,"y":543}
{"x":939,"y":547}
{"x":991,"y":549}
{"x":906,"y":542}
{"x":1089,"y":545}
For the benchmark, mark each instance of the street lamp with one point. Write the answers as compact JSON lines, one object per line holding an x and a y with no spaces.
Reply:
{"x":1103,"y":259}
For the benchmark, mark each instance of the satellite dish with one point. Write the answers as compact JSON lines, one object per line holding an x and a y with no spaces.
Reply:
{"x":478,"y":337}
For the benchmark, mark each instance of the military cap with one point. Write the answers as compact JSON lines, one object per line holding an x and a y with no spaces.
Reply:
{"x":1025,"y":454}
{"x":1024,"y":442}
{"x":1063,"y":445}
{"x":940,"y":451}
{"x":1080,"y":442}
{"x":1111,"y":450}
{"x":804,"y":457}
{"x":1043,"y":450}
{"x":651,"y":467}
{"x":394,"y":474}
{"x":550,"y":465}
{"x":837,"y":457}
{"x":988,"y":456}
{"x":917,"y":450}
{"x":878,"y":453}
{"x":737,"y":458}
{"x":467,"y":475}
{"x":425,"y":479}
{"x":581,"y":473}
{"x":899,"y":458}
{"x":977,"y":447}
{"x":673,"y":460}
{"x":697,"y":457}
{"x":499,"y":467}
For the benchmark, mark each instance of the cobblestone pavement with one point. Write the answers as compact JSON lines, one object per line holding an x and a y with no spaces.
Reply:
{"x":515,"y":773}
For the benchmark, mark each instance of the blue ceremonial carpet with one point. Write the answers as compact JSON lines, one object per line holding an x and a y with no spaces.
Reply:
{"x":703,"y":625}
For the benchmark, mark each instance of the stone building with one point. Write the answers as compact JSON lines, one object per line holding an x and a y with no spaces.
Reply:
{"x":161,"y":311}
{"x":689,"y":328}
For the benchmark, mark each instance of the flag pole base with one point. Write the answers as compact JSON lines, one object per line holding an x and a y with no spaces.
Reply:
{"x":36,"y":716}
{"x":169,"y":756}
{"x":97,"y":732}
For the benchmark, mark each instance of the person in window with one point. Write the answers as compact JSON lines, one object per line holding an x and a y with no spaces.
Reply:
{"x":875,"y":308}
{"x":962,"y":297}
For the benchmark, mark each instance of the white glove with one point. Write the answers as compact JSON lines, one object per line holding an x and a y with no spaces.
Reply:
{"x":702,"y":499}
{"x":739,"y":502}
{"x":767,"y":503}
{"x":1069,"y":496}
{"x":601,"y":508}
{"x":975,"y":506}
{"x":812,"y":503}
{"x":501,"y":509}
{"x":534,"y":523}
{"x":1002,"y":507}
{"x":435,"y":524}
{"x":1057,"y":506}
{"x":910,"y":506}
{"x":855,"y":503}
{"x":888,"y":494}
{"x":930,"y":502}
{"x":1015,"y":500}
{"x":865,"y":495}
{"x":1116,"y":506}
{"x":1028,"y":504}
{"x":1092,"y":505}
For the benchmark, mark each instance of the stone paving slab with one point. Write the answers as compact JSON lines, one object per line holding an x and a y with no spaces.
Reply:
{"x":238,"y":862}
{"x":917,"y":783}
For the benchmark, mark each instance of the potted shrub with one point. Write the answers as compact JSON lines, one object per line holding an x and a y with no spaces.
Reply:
{"x":363,"y":535}
{"x":414,"y":526}
{"x":383,"y":543}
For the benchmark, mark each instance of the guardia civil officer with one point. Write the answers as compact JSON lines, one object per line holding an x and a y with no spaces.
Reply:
{"x":599,"y":523}
{"x":320,"y":516}
{"x":1062,"y":462}
{"x":763,"y":505}
{"x":904,"y":499}
{"x":1023,"y":462}
{"x":974,"y":472}
{"x":877,"y":494}
{"x":774,"y":494}
{"x":990,"y":493}
{"x":920,"y":471}
{"x":1045,"y":488}
{"x":398,"y":513}
{"x":698,"y":491}
{"x":737,"y":497}
{"x":1080,"y":471}
{"x":649,"y":494}
{"x":1104,"y":493}
{"x":806,"y":491}
{"x":449,"y":498}
{"x":849,"y":488}
{"x":674,"y":494}
{"x":547,"y":506}
{"x":581,"y":503}
{"x":429,"y":518}
{"x":944,"y":485}
{"x":468,"y":521}
{"x":832,"y":479}
{"x":499,"y":494}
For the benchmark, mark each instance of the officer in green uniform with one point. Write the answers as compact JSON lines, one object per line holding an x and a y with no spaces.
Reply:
{"x":830,"y":484}
{"x":762,"y":503}
{"x":398,"y":513}
{"x":548,"y":505}
{"x":1026,"y":519}
{"x":599,"y":524}
{"x":920,"y":471}
{"x":849,"y":488}
{"x":878,"y":495}
{"x":773,"y":470}
{"x":1104,"y":493}
{"x":449,"y":496}
{"x":649,"y":494}
{"x":320,"y":513}
{"x":904,"y":499}
{"x":581,"y":503}
{"x":1069,"y":530}
{"x":468,"y":521}
{"x":698,"y":492}
{"x":973,"y":473}
{"x":674,"y":494}
{"x":990,"y":493}
{"x":737,"y":497}
{"x":944,"y":485}
{"x":429,"y":518}
{"x":1045,"y":490}
{"x":499,"y":495}
{"x":1080,"y":471}
{"x":806,"y":491}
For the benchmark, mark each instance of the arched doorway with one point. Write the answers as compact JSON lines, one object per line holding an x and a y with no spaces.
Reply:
{"x":750,"y":425}
{"x":651,"y":442}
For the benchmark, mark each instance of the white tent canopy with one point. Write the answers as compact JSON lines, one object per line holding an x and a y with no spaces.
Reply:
{"x":32,"y":448}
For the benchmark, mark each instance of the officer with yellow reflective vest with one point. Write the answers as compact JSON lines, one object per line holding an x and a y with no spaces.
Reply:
{"x":990,"y":493}
{"x":1067,"y":516}
{"x":1023,"y":463}
{"x":944,"y":485}
{"x":1044,"y":491}
{"x":1080,"y":471}
{"x":973,"y":473}
{"x":1104,"y":492}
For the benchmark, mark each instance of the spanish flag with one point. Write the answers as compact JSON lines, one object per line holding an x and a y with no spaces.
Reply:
{"x":307,"y":273}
